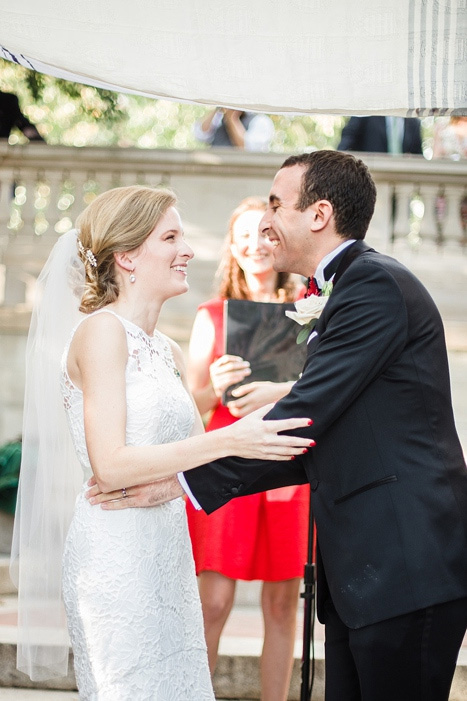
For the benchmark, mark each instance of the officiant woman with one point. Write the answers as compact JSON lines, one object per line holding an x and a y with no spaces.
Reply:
{"x":264,"y":536}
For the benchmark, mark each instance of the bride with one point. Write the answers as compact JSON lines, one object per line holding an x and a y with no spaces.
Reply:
{"x":128,"y":580}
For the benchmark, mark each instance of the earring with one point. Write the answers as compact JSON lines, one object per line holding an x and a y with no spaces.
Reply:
{"x":132,"y":276}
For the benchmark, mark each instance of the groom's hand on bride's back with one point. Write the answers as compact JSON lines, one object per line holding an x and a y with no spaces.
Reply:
{"x":142,"y":495}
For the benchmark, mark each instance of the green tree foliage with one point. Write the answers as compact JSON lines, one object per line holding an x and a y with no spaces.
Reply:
{"x":78,"y":115}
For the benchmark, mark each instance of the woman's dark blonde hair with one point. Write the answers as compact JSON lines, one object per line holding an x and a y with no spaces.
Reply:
{"x":116,"y":221}
{"x":233,"y":284}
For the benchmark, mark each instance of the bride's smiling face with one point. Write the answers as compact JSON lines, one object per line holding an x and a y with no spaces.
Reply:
{"x":161,"y":262}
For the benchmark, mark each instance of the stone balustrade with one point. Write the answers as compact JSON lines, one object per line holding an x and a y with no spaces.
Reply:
{"x":43,"y":188}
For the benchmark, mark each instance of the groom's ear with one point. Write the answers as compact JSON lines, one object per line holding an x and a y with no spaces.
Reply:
{"x":322,"y":212}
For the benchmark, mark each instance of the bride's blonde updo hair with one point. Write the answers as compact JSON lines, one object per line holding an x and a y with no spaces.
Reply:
{"x":116,"y":221}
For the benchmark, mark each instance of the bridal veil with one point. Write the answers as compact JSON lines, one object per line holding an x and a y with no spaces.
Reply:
{"x":50,"y":476}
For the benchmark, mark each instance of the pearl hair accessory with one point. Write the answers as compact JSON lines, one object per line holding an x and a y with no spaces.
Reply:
{"x":88,"y":254}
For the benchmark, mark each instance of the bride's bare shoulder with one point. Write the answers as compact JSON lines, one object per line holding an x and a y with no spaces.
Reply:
{"x":103,"y":331}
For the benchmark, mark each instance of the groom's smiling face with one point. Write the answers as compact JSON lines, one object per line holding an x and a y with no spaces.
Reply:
{"x":287,"y":227}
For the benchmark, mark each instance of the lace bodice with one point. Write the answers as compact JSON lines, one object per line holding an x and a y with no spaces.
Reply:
{"x":159,"y":409}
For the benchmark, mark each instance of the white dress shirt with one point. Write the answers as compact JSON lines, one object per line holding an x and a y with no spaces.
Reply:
{"x":319,"y":273}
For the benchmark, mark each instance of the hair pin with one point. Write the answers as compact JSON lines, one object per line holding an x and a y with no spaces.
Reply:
{"x":87,"y":253}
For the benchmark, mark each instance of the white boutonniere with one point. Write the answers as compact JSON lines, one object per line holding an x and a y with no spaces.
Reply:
{"x":308,"y":311}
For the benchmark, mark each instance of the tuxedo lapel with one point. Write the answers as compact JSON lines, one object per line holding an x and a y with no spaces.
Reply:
{"x":337,"y":268}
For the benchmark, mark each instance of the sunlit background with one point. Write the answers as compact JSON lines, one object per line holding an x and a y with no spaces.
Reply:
{"x":77,"y":115}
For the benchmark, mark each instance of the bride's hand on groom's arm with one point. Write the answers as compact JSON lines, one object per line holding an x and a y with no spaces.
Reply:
{"x":250,"y":438}
{"x":254,"y":395}
{"x":143,"y":495}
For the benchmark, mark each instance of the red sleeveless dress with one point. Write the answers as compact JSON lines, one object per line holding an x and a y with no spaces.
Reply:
{"x":263,"y":536}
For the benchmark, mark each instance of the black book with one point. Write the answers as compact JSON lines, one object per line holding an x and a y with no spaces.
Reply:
{"x":261,"y":333}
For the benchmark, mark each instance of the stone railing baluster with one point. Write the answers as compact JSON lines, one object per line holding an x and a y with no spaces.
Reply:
{"x":53,"y":214}
{"x":6,"y":198}
{"x":78,"y":180}
{"x":28,"y":180}
{"x":452,"y":224}
{"x":6,"y":195}
{"x":402,"y":195}
{"x":106,"y":180}
{"x":429,"y":230}
{"x":128,"y":178}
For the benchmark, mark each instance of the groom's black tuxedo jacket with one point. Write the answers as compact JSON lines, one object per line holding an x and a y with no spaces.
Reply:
{"x":388,"y":477}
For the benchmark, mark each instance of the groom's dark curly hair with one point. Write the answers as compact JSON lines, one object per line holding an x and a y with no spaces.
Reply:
{"x":344,"y":181}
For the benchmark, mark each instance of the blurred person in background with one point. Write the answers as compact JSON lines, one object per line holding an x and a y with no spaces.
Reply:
{"x":450,"y":138}
{"x":394,"y":135}
{"x":245,"y":130}
{"x":11,"y":116}
{"x":263,"y":536}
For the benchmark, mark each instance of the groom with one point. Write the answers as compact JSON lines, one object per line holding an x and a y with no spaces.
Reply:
{"x":388,"y":477}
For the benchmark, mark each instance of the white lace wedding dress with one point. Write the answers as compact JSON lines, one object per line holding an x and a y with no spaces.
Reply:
{"x":129,"y":584}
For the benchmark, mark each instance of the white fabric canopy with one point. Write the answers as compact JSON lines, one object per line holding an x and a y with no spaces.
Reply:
{"x":305,"y":56}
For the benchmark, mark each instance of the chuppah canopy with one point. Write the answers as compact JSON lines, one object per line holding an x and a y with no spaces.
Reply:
{"x":405,"y":57}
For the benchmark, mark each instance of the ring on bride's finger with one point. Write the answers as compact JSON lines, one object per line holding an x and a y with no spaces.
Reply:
{"x":124,"y":494}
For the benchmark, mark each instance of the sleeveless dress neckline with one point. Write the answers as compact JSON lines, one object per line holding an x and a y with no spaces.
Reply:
{"x":127,"y":321}
{"x":124,"y":320}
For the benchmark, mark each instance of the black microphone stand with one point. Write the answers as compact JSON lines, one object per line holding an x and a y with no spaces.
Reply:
{"x":308,"y":595}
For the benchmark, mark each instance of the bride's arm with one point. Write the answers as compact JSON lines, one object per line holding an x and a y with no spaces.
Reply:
{"x":97,"y":362}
